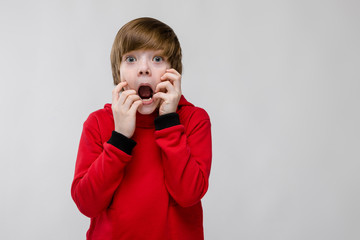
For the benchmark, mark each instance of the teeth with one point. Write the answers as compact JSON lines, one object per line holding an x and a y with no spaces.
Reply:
{"x":147,"y":99}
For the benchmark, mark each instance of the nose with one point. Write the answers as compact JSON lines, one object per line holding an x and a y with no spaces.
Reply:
{"x":144,"y":69}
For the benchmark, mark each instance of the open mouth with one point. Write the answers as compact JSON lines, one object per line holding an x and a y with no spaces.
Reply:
{"x":145,"y":92}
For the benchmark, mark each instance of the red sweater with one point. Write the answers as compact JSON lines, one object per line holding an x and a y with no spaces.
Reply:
{"x":152,"y":190}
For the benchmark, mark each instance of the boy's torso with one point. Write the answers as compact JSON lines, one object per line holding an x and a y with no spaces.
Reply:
{"x":141,"y":207}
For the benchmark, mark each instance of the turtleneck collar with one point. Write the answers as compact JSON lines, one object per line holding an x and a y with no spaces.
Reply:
{"x":146,"y":121}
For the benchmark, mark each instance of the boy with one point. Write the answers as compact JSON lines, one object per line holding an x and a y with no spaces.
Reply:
{"x":144,"y":161}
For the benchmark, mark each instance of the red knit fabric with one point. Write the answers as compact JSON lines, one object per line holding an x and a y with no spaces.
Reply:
{"x":155,"y":192}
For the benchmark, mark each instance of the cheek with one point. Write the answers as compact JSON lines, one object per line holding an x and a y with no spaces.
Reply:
{"x":127,"y":76}
{"x":160,"y":71}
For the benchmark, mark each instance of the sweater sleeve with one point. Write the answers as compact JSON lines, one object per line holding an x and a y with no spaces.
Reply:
{"x":187,"y":158}
{"x":98,"y":172}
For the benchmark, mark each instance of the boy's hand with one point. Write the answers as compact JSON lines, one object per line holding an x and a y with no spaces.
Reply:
{"x":169,"y":91}
{"x":124,"y":108}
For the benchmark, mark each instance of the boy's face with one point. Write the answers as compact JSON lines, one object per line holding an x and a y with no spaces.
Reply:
{"x":142,"y":70}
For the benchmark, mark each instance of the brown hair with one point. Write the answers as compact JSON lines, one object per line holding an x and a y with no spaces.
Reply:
{"x":145,"y":33}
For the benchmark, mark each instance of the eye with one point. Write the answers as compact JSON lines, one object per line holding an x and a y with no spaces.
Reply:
{"x":130,"y":59}
{"x":157,"y":59}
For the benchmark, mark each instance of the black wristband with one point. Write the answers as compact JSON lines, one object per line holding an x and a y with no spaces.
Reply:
{"x":166,"y":121}
{"x":122,"y":142}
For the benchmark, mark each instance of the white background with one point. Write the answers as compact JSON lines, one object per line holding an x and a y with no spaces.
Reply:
{"x":279,"y":79}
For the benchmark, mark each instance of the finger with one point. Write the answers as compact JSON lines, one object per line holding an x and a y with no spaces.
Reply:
{"x":172,"y":70}
{"x":173,"y":76}
{"x":124,"y":95}
{"x":168,"y":76}
{"x":165,"y":86}
{"x":134,"y":107}
{"x":160,"y":95}
{"x":130,"y":100}
{"x":116,"y":91}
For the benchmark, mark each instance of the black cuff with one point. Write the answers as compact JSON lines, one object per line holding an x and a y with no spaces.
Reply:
{"x":121,"y":142}
{"x":167,"y":120}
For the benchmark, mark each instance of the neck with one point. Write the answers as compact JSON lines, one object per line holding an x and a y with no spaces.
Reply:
{"x":146,"y":121}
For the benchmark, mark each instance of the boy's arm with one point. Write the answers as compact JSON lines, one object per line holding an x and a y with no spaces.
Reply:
{"x":99,"y":168}
{"x":186,"y":159}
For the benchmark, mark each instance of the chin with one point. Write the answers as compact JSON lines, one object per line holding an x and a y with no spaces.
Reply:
{"x":147,"y":109}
